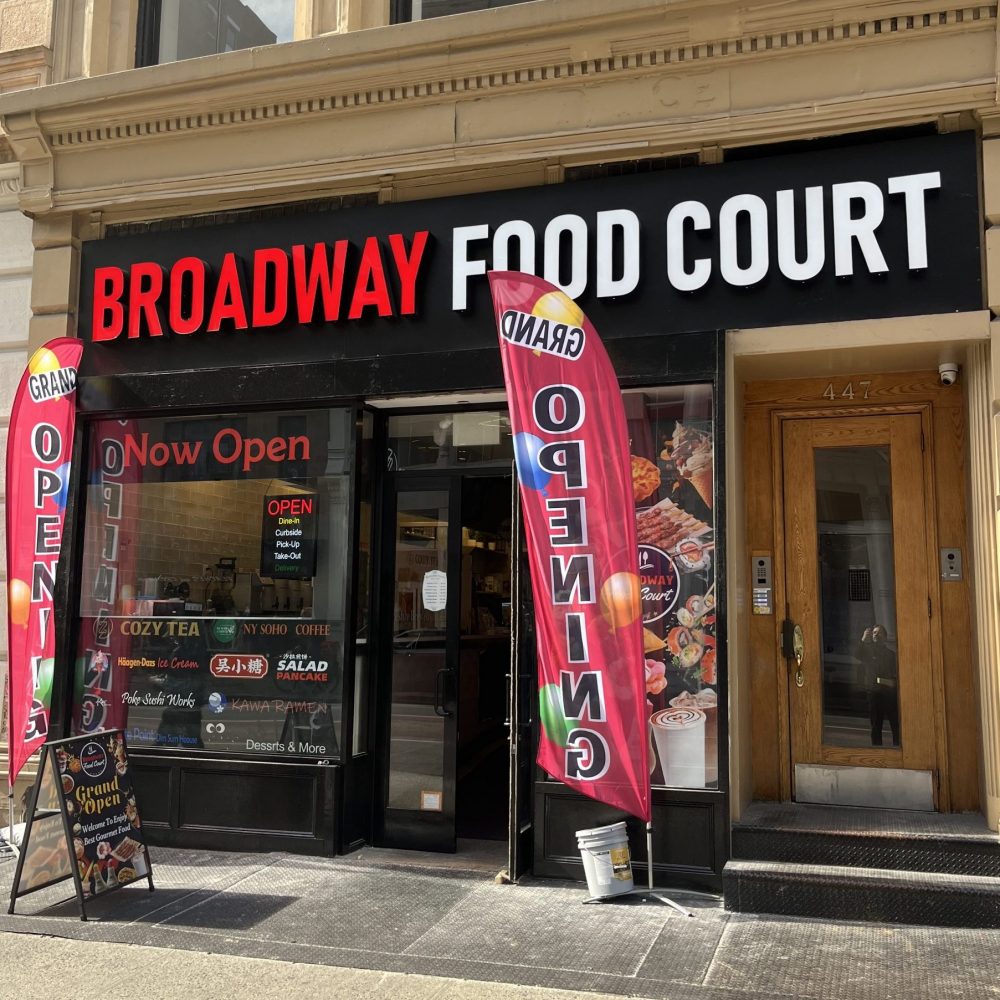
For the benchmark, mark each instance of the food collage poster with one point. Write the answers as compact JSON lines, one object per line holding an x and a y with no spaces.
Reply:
{"x":104,"y":818}
{"x":673,"y":478}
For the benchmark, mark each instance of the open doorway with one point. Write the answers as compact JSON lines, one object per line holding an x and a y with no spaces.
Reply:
{"x":483,"y":750}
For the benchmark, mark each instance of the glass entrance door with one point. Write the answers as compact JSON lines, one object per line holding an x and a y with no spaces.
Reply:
{"x":856,"y":569}
{"x":447,"y":581}
{"x":423,"y":567}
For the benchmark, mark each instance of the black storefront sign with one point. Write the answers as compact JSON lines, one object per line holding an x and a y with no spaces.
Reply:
{"x":83,"y":822}
{"x":865,"y":231}
{"x":288,"y":536}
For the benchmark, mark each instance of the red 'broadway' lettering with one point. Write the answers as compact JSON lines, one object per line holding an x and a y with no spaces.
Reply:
{"x":307,"y":284}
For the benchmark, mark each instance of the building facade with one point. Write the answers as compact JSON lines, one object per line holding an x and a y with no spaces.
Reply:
{"x":780,"y":218}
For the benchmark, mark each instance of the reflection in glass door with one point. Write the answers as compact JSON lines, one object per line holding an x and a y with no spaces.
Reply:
{"x":857,"y":596}
{"x":447,"y":580}
{"x":420,"y":798}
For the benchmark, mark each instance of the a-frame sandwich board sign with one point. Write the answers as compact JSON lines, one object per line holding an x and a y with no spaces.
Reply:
{"x":83,"y":821}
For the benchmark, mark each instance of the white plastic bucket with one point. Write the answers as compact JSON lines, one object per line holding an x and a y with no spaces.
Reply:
{"x":606,"y":860}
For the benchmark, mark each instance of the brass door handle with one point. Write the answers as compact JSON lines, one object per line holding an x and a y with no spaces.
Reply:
{"x":798,"y":650}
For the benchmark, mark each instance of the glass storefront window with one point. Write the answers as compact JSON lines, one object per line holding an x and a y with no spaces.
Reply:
{"x":673,"y":485}
{"x":672,"y":443}
{"x":463,"y":439}
{"x":213,"y":595}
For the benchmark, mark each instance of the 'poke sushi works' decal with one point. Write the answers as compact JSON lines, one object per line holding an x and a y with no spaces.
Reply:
{"x":573,"y":465}
{"x":39,"y":445}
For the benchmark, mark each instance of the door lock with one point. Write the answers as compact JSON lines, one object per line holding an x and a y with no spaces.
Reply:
{"x":793,"y":647}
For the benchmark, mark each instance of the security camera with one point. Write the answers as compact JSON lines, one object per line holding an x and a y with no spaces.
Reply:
{"x":948,"y":372}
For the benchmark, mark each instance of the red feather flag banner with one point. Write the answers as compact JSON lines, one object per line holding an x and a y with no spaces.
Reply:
{"x":39,"y":446}
{"x":574,"y":471}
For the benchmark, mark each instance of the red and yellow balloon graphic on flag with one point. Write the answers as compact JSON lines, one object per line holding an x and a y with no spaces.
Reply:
{"x":43,"y":360}
{"x":559,"y":308}
{"x":621,"y":600}
{"x":19,"y":602}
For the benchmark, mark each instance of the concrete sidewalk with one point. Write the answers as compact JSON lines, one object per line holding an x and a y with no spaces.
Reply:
{"x":45,"y":968}
{"x":320,"y":915}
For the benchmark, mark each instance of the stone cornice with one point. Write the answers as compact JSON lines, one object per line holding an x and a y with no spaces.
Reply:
{"x":430,"y":60}
{"x":358,"y":174}
{"x":554,"y":48}
{"x":34,"y":154}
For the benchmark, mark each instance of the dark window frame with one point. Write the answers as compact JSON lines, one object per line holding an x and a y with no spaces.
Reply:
{"x":147,"y":39}
{"x":401,"y":11}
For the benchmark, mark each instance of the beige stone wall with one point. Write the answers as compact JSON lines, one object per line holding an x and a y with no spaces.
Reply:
{"x":983,"y":373}
{"x":24,"y":23}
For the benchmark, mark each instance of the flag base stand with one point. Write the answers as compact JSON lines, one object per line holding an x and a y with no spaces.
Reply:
{"x":648,"y":893}
{"x":644,"y":894}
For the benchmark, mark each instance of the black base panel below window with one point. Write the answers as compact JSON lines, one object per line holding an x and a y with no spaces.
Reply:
{"x":238,"y":805}
{"x":690,"y":836}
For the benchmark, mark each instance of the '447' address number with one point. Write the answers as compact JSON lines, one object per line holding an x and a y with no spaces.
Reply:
{"x":850,"y":391}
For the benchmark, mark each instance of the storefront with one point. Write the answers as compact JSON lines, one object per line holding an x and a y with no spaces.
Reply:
{"x":296,"y":545}
{"x":300,"y":588}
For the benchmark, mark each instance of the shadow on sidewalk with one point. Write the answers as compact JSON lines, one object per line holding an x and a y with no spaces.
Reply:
{"x":232,"y":911}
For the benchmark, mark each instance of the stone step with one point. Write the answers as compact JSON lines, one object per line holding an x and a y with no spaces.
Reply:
{"x":954,"y":844}
{"x":899,"y":852}
{"x":852,"y":893}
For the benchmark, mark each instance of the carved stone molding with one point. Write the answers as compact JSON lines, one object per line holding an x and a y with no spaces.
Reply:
{"x":24,"y":69}
{"x":34,"y":154}
{"x":629,"y":58}
{"x":469,"y":100}
{"x":10,"y":176}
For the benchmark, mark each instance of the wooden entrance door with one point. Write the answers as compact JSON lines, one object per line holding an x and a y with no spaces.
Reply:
{"x":857,"y":582}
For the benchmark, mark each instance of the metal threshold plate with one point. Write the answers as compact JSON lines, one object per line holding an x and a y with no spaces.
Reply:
{"x":878,"y":787}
